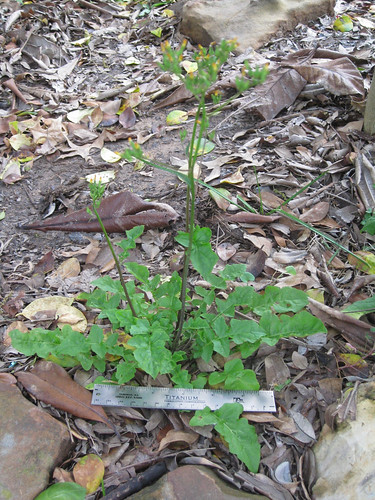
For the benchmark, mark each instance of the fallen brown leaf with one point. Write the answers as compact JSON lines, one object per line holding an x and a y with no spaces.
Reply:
{"x":250,"y":218}
{"x":315,"y":213}
{"x":356,"y":332}
{"x":51,"y":384}
{"x":179,"y":440}
{"x":119,"y":212}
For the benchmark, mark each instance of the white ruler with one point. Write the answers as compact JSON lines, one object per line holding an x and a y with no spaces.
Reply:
{"x":179,"y":399}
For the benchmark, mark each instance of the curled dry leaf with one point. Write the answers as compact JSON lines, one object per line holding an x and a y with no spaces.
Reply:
{"x":119,"y":212}
{"x":179,"y":440}
{"x":355,"y":331}
{"x":69,"y":315}
{"x":250,"y":218}
{"x":46,"y":306}
{"x":51,"y":384}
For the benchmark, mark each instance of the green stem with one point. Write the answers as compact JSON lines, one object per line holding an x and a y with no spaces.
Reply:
{"x":320,"y":233}
{"x":190,"y":212}
{"x":301,"y":190}
{"x":117,"y":262}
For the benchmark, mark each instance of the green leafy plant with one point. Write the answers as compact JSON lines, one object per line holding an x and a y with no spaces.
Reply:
{"x":158,"y":325}
{"x":368,"y":222}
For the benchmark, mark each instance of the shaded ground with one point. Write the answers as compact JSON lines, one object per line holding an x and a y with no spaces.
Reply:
{"x":287,"y":152}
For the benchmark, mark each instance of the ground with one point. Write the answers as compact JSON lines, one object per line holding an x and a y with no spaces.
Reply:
{"x":270,"y":159}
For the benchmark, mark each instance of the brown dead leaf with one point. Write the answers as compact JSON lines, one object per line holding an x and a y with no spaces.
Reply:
{"x":14,"y":305}
{"x":335,"y":262}
{"x":356,"y":332}
{"x":339,"y":76}
{"x":226,"y":251}
{"x":181,"y":94}
{"x":299,"y":361}
{"x":15,"y":325}
{"x":279,"y":91}
{"x":330,"y":388}
{"x":62,"y":475}
{"x":7,"y":378}
{"x":118,"y":212}
{"x":315,"y":213}
{"x":127,"y":118}
{"x":178,"y":440}
{"x":51,"y":384}
{"x":277,"y":371}
{"x":250,"y":218}
{"x":70,"y":268}
{"x":254,"y":261}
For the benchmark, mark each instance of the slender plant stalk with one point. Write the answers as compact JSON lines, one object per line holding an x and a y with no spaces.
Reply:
{"x":190,"y":213}
{"x":320,"y":233}
{"x":117,"y":262}
{"x":301,"y":190}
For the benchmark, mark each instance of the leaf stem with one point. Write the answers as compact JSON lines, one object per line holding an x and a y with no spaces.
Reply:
{"x":117,"y":262}
{"x":199,"y":121}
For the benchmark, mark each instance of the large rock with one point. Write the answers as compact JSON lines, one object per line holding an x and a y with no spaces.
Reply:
{"x":251,"y":22}
{"x":31,"y":444}
{"x":345,"y":458}
{"x":192,"y":483}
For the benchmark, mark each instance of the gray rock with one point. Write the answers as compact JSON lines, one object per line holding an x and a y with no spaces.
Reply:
{"x":251,"y":22}
{"x":192,"y":482}
{"x":32,"y":443}
{"x":345,"y":458}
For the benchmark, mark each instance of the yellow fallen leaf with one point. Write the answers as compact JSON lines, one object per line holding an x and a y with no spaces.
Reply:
{"x":45,"y":304}
{"x":109,"y":156}
{"x":176,"y":117}
{"x":69,"y":315}
{"x":89,"y":472}
{"x":189,"y":66}
{"x":70,"y":268}
{"x":368,"y":257}
{"x":102,"y":177}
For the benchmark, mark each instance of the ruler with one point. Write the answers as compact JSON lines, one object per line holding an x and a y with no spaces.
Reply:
{"x":179,"y":399}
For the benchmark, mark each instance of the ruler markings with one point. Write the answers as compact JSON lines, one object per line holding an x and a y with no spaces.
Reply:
{"x":180,"y":399}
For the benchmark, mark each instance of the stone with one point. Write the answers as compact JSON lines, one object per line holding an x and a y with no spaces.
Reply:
{"x":191,"y":482}
{"x":345,"y":457}
{"x":251,"y":22}
{"x":32,"y":443}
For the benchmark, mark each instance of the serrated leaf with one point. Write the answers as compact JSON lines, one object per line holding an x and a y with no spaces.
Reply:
{"x":140,"y":272}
